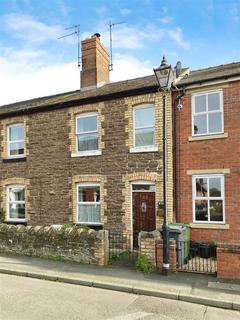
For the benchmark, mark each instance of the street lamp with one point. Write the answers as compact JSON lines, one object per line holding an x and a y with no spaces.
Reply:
{"x":165,"y":76}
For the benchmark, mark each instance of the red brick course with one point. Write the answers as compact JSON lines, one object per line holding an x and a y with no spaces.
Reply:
{"x":228,"y":261}
{"x":210,"y":154}
{"x":172,"y":255}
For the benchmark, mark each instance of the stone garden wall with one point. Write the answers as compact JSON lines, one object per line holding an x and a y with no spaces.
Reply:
{"x":72,"y":244}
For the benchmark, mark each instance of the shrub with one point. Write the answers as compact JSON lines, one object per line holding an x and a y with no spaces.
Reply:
{"x":144,"y":265}
{"x":75,"y":226}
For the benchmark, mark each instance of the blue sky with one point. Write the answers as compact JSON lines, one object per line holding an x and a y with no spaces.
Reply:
{"x":33,"y":62}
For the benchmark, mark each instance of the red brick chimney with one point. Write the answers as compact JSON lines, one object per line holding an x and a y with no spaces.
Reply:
{"x":95,"y":63}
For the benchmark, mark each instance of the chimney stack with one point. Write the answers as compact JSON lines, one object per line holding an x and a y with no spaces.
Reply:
{"x":95,"y":63}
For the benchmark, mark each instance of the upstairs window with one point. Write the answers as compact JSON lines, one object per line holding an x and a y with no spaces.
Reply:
{"x":16,"y":203}
{"x":207,"y":113}
{"x":87,"y":132}
{"x":16,"y":141}
{"x":88,"y":202}
{"x":208,"y":198}
{"x":144,"y":126}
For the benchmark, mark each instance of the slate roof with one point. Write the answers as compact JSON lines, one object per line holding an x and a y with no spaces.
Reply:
{"x":116,"y":90}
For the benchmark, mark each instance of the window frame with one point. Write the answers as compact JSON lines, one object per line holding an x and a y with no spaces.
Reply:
{"x":88,"y":203}
{"x":208,"y":198}
{"x":150,"y":147}
{"x":221,"y":110}
{"x":87,"y":115}
{"x":9,"y":156}
{"x":18,"y":186}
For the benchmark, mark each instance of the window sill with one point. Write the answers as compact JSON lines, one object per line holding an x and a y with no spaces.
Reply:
{"x":208,"y":137}
{"x":17,"y":159}
{"x":89,"y":223}
{"x":86,"y":154}
{"x":16,"y":222}
{"x":222,"y":226}
{"x":140,"y":150}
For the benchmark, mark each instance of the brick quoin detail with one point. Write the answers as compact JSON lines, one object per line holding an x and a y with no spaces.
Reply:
{"x":222,"y":153}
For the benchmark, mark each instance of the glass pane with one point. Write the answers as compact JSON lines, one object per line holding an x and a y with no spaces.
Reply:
{"x":143,"y":187}
{"x":216,"y":210}
{"x":144,"y":137}
{"x":201,"y":187}
{"x":89,"y":213}
{"x":88,"y":194}
{"x":200,"y":103}
{"x":17,"y":211}
{"x":144,"y":117}
{"x":215,"y":187}
{"x":16,"y":194}
{"x":88,"y":142}
{"x":201,"y":210}
{"x":200,"y":124}
{"x":16,"y":133}
{"x":16,"y":148}
{"x":215,"y":122}
{"x":87,"y":124}
{"x":213,"y":101}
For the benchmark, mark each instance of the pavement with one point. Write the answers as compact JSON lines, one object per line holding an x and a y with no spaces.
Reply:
{"x":195,"y":288}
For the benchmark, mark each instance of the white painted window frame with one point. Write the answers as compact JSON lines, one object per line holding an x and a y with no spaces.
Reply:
{"x":89,"y":203}
{"x":221,"y":110}
{"x":208,"y":198}
{"x":15,"y":141}
{"x":87,"y":152}
{"x":17,"y":186}
{"x":150,"y":148}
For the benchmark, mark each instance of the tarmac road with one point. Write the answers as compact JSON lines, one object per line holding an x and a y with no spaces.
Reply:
{"x":29,"y":299}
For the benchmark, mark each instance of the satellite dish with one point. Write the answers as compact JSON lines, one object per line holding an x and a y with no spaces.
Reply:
{"x":178,"y":68}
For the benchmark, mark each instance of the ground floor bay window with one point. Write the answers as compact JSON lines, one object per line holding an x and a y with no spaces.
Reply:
{"x":208,"y":199}
{"x":88,"y":204}
{"x":16,"y":203}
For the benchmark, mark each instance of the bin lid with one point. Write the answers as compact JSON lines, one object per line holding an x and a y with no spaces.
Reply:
{"x":175,"y":228}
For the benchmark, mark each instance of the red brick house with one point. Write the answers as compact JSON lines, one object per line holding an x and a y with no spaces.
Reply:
{"x":207,"y":153}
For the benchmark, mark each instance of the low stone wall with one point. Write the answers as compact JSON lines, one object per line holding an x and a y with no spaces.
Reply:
{"x":228,"y":261}
{"x":70,"y":244}
{"x":147,"y":244}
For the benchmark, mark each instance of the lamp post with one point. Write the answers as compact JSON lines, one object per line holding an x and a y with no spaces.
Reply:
{"x":165,"y":76}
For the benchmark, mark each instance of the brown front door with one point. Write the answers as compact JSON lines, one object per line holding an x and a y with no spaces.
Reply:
{"x":144,"y":218}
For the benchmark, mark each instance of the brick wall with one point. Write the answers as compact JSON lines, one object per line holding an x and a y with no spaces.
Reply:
{"x":70,"y":244}
{"x":51,"y":171}
{"x":222,"y":154}
{"x":228,"y":261}
{"x":172,"y":255}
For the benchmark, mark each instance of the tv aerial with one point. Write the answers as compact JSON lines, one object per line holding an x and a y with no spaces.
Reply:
{"x":76,"y":32}
{"x":111,"y":25}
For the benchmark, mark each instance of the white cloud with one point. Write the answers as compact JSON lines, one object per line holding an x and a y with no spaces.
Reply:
{"x":125,"y":12}
{"x":234,"y":12}
{"x":128,"y":67}
{"x":30,"y":30}
{"x":166,"y":19}
{"x":177,"y":35}
{"x":18,"y":83}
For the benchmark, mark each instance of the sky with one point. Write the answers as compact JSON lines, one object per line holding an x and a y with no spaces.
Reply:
{"x":35,"y":63}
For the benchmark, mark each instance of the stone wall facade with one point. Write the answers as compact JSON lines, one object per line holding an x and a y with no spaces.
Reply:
{"x":210,"y":154}
{"x":228,"y":261}
{"x":90,"y":247}
{"x":51,"y":168}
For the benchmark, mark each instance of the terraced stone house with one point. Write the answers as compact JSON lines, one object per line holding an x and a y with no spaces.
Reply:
{"x":90,"y":157}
